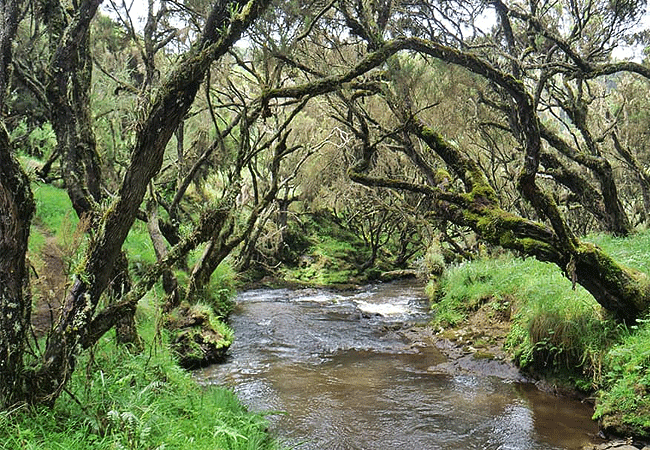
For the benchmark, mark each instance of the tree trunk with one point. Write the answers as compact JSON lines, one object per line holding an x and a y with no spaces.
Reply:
{"x":221,"y":243}
{"x":622,"y":291}
{"x":126,"y":331}
{"x":245,"y":256}
{"x":169,"y":281}
{"x":16,"y":210}
{"x":68,"y":94}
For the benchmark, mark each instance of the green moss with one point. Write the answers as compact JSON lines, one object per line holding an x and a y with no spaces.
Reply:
{"x":333,"y":255}
{"x":499,"y":227}
{"x":482,"y":192}
{"x":530,"y":246}
{"x":484,"y":355}
{"x":632,"y":284}
{"x":197,"y":336}
{"x":441,"y":176}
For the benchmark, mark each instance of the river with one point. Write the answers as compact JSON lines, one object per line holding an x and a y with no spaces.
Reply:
{"x":335,"y":371}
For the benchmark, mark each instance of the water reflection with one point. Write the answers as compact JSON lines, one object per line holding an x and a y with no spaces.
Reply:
{"x":344,"y":380}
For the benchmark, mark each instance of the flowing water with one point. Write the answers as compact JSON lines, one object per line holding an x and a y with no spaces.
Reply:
{"x":335,"y":371}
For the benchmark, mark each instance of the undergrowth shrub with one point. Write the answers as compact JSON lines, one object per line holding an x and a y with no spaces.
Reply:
{"x":568,"y":346}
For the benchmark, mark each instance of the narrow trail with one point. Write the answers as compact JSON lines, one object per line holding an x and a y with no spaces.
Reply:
{"x":51,"y":282}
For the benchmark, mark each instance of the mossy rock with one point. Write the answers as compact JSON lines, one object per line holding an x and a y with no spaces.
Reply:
{"x":623,"y":425}
{"x":198,"y":338}
{"x":624,"y":415}
{"x":197,"y":347}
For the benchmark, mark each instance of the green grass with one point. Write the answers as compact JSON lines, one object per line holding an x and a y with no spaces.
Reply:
{"x":139,"y":247}
{"x":53,"y":207}
{"x":539,"y":286}
{"x":556,"y":330}
{"x":332,"y":256}
{"x":561,"y":332}
{"x":54,"y":216}
{"x":117,"y":400}
{"x":631,"y":251}
{"x":624,"y":400}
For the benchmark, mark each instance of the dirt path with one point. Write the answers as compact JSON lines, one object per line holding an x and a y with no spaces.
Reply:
{"x":49,"y":286}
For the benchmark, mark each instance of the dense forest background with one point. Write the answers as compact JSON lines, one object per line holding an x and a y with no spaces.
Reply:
{"x":420,"y":133}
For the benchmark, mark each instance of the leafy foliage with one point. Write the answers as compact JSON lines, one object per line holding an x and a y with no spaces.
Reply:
{"x":624,"y":404}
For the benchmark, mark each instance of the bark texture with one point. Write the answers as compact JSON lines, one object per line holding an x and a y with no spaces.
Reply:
{"x":16,"y":211}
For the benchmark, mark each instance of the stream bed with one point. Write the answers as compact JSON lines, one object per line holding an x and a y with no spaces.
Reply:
{"x":335,"y":371}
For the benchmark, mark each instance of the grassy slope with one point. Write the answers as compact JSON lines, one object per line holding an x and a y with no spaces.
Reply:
{"x":561,"y":332}
{"x":118,"y":400}
{"x":331,"y":254}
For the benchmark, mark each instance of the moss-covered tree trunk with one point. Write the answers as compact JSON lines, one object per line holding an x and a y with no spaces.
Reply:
{"x":16,"y":211}
{"x":169,"y":281}
{"x":68,"y":95}
{"x":621,"y":290}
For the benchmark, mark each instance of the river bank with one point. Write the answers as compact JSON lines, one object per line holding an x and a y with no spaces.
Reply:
{"x":478,"y":347}
{"x":481,"y":345}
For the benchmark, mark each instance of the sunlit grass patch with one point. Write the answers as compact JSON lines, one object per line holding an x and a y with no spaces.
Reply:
{"x":53,"y":207}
